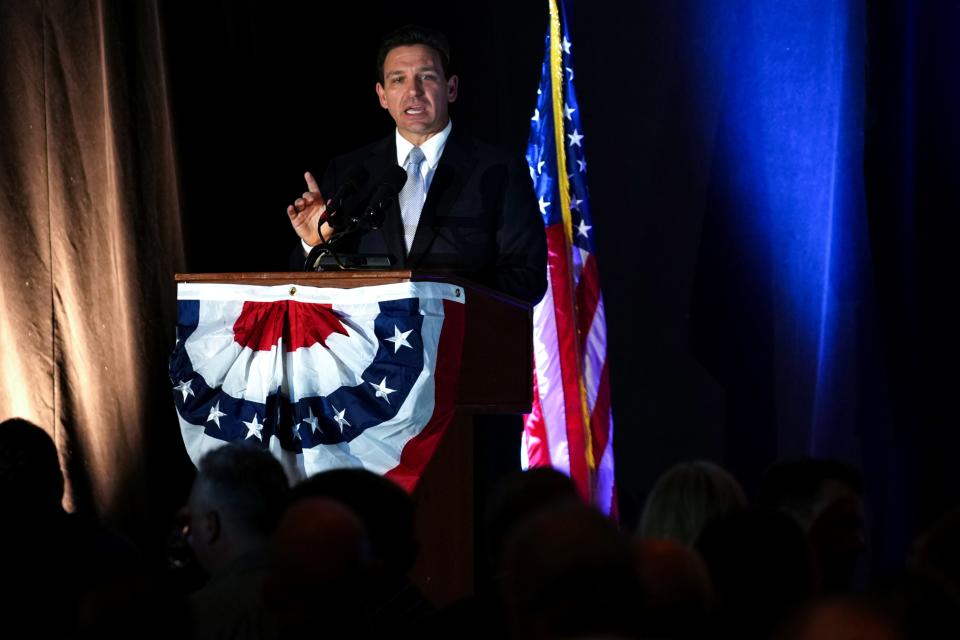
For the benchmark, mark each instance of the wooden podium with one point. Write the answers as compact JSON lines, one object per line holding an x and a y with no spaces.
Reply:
{"x":495,"y":377}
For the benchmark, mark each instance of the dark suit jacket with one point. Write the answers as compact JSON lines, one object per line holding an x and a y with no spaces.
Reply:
{"x":480,"y":220}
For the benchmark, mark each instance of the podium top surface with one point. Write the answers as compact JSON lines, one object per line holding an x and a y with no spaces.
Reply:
{"x":346,"y":280}
{"x":496,"y":375}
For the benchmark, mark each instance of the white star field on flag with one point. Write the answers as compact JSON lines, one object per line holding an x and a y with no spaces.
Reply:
{"x":543,"y":206}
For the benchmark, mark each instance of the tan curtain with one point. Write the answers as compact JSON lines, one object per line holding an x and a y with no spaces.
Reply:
{"x":89,"y":239}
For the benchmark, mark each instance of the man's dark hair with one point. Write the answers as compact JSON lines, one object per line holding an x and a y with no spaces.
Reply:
{"x":248,"y":484}
{"x":412,"y":34}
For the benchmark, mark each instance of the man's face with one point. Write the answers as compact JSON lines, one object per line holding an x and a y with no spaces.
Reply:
{"x":415,"y":91}
{"x":196,"y":524}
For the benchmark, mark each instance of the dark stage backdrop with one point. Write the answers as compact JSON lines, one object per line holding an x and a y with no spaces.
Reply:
{"x":774,"y":186}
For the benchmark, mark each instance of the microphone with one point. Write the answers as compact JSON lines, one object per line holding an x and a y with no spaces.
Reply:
{"x":391,"y":182}
{"x":354,"y":179}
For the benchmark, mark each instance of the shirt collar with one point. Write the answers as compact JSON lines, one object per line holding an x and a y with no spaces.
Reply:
{"x":432,"y":148}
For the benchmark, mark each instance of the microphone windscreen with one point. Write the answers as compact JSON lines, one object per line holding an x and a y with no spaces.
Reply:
{"x":355,"y":178}
{"x":396,"y":177}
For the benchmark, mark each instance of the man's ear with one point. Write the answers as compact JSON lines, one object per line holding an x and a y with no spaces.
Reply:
{"x":211,"y":526}
{"x":382,"y":94}
{"x":452,"y":84}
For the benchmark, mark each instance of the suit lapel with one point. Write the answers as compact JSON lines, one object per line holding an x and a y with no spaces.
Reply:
{"x":455,"y":165}
{"x":392,"y":229}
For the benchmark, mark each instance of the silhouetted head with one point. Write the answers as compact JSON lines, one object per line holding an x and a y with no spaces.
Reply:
{"x":31,"y":482}
{"x":826,"y":498}
{"x":237,"y":498}
{"x":938,"y":549}
{"x":759,"y":563}
{"x":386,"y":510}
{"x":842,"y":618}
{"x":676,"y":585}
{"x":518,"y":496}
{"x":318,"y":556}
{"x":805,"y":486}
{"x":685,"y":498}
{"x":920,"y":604}
{"x":568,"y":572}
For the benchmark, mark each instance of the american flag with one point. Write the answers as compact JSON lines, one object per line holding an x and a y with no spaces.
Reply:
{"x":571,"y":424}
{"x":323,"y":378}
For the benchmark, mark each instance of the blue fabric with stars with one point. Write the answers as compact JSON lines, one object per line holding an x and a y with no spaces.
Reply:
{"x":289,"y":422}
{"x":541,"y":148}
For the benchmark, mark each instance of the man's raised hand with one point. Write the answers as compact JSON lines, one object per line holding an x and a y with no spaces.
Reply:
{"x":307,"y":212}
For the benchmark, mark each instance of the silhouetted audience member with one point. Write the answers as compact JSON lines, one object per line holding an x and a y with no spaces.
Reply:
{"x":826,"y":498}
{"x":318,"y":558}
{"x":396,"y":605}
{"x":938,"y":550}
{"x":760,"y":566}
{"x":236,"y":501}
{"x":517,"y":496}
{"x":842,"y":618}
{"x":685,"y":498}
{"x":921,"y":605}
{"x":568,"y":573}
{"x":678,"y":595}
{"x":64,"y":574}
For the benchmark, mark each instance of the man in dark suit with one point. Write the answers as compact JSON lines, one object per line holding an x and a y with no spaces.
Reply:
{"x":466,"y":207}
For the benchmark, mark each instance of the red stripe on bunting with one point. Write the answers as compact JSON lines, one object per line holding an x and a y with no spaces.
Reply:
{"x":558,"y":261}
{"x":446,"y":378}
{"x":260,"y":325}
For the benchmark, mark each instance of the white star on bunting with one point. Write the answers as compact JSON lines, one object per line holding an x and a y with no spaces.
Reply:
{"x":254,"y":428}
{"x":583,"y":165}
{"x":383,"y":390}
{"x":311,"y":420}
{"x":339,"y":416}
{"x":215,"y":415}
{"x":184,"y":388}
{"x":567,"y":110}
{"x":399,"y":339}
{"x":575,"y":138}
{"x":566,"y":45}
{"x":536,"y":115}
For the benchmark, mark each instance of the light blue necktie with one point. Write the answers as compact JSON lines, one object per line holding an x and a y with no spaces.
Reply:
{"x":413,"y":195}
